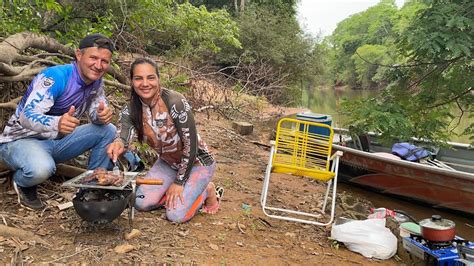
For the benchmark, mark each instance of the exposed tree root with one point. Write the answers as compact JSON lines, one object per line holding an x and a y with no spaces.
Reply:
{"x":8,"y":231}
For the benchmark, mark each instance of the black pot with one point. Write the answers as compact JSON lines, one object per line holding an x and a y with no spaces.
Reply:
{"x":103,"y":209}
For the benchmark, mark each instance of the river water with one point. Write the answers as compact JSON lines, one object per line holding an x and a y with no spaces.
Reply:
{"x":327,"y":102}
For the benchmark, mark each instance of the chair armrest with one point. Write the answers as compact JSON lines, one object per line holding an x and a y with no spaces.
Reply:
{"x":337,"y":153}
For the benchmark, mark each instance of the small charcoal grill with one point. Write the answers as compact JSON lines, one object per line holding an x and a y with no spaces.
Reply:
{"x":98,"y":204}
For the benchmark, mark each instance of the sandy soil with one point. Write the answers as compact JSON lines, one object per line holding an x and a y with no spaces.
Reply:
{"x":238,"y":234}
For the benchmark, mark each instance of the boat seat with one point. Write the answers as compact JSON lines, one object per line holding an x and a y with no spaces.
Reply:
{"x":364,"y":140}
{"x":361,"y":142}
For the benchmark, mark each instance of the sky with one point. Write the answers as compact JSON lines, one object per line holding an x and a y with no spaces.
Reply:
{"x":323,"y":15}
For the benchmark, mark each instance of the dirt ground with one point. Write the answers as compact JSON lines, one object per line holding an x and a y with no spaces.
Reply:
{"x":238,"y":234}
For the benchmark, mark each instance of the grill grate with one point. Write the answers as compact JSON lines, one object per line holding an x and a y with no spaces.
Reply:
{"x":77,"y":181}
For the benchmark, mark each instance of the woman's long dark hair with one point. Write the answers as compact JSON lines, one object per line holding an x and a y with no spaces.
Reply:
{"x":136,"y":112}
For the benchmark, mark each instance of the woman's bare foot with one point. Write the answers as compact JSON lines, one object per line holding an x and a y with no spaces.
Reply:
{"x":212,"y":203}
{"x":211,"y":199}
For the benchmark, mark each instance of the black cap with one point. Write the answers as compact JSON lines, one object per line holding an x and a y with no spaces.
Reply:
{"x":97,"y":40}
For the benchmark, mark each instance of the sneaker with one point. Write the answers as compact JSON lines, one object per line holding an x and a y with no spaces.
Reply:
{"x":28,"y":197}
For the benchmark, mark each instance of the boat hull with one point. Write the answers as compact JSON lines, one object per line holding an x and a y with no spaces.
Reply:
{"x":440,"y":188}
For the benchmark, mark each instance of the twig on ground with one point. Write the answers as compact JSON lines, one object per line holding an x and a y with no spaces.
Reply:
{"x":68,"y":256}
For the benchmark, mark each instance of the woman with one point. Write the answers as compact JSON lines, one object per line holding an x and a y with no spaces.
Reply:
{"x":163,"y":119}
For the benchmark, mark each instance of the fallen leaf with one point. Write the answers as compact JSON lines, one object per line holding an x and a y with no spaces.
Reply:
{"x":134,"y":233}
{"x":124,"y":248}
{"x":183,"y":233}
{"x":214,"y":246}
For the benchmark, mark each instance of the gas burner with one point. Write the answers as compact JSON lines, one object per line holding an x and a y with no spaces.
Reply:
{"x":433,"y":245}
{"x":436,"y":253}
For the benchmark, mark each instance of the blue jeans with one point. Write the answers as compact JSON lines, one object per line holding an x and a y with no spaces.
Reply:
{"x":34,"y":160}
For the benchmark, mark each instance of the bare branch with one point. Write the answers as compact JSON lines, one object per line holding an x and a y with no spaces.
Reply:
{"x":117,"y":84}
{"x":455,"y":98}
{"x":12,"y":104}
{"x":25,"y":75}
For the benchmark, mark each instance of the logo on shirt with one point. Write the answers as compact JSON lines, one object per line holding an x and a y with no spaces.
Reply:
{"x":182,"y":115}
{"x":47,"y":82}
{"x":160,"y":122}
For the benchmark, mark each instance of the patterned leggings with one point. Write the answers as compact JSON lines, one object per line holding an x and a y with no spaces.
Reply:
{"x":150,"y":197}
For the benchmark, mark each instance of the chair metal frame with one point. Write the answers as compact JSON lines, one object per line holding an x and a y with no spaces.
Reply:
{"x":299,"y":152}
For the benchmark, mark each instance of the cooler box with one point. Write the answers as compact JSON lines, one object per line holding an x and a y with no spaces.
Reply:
{"x":318,"y":118}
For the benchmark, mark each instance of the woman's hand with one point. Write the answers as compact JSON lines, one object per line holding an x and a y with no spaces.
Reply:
{"x":174,"y":193}
{"x":115,"y":149}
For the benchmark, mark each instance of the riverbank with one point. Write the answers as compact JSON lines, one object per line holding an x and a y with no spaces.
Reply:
{"x":238,"y":234}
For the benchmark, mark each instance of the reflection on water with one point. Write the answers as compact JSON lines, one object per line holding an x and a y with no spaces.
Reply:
{"x":327,"y":101}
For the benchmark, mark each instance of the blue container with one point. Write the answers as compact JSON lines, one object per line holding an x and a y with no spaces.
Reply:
{"x":318,"y":118}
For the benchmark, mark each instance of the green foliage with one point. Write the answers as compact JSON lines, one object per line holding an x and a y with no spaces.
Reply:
{"x":372,"y":27}
{"x":162,"y":26}
{"x":435,"y":43}
{"x":182,"y":30}
{"x":366,"y":62}
{"x":176,"y":83}
{"x":200,"y":30}
{"x":287,"y":7}
{"x":440,"y":32}
{"x":23,"y":15}
{"x":275,"y":39}
{"x":280,"y":7}
{"x":61,"y":21}
{"x":398,"y":121}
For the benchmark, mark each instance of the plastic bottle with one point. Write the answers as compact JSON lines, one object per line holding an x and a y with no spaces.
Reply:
{"x":401,"y":218}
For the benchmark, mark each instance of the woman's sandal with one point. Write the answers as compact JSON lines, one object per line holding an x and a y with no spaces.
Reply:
{"x":213,"y":209}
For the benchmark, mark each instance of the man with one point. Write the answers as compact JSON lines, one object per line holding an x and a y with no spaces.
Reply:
{"x":45,"y":128}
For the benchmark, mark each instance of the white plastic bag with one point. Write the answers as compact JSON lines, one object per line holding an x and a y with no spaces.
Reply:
{"x":368,"y":237}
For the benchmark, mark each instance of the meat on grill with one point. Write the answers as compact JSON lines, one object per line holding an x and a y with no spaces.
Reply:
{"x":104,"y":178}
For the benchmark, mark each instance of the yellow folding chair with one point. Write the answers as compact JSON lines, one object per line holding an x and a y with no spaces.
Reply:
{"x":302,"y":148}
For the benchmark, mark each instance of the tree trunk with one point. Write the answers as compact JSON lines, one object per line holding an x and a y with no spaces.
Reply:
{"x":242,"y":5}
{"x":12,"y":46}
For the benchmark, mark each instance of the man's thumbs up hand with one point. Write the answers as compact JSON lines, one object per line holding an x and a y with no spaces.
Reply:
{"x":104,"y":113}
{"x":101,"y":106}
{"x":71,"y":111}
{"x":67,"y":122}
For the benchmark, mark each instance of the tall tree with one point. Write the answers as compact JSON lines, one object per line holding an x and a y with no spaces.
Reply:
{"x":434,"y":75}
{"x":372,"y":27}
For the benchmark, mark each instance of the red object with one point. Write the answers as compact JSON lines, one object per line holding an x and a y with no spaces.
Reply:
{"x":438,"y":229}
